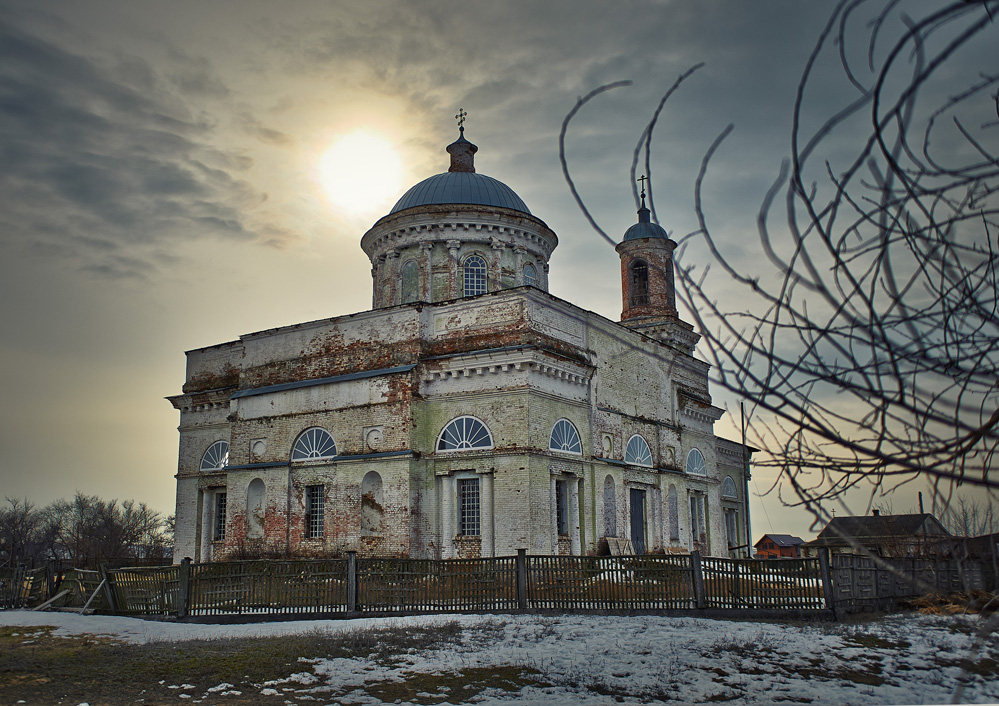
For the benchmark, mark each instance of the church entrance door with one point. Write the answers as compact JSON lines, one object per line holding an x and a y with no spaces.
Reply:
{"x":638,"y":520}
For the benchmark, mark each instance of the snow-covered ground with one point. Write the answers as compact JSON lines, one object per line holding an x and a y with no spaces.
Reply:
{"x":899,"y":659}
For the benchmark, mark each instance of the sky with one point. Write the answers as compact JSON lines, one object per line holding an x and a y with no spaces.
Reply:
{"x":162,"y":184}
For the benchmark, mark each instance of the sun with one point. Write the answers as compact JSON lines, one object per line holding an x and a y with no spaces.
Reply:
{"x":361,"y":173}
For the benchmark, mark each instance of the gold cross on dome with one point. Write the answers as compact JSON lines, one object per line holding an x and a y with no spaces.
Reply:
{"x":460,"y":117}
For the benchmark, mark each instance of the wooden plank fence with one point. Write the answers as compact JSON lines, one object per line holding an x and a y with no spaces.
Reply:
{"x":13,"y":587}
{"x":575,"y":583}
{"x":685,"y":584}
{"x":428,"y":585}
{"x":763,"y":584}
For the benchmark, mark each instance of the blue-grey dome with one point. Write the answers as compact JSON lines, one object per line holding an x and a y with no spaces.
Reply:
{"x":645,"y":228}
{"x":461,"y":188}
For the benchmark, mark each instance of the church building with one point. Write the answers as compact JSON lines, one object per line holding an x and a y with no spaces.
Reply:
{"x":469,"y":413}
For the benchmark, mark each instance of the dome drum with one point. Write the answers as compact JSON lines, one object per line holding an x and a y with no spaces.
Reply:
{"x":456,"y":234}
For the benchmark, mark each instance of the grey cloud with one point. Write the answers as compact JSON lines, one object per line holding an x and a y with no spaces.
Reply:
{"x":101,"y":168}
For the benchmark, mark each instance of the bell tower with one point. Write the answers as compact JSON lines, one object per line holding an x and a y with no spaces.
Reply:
{"x":647,"y":285}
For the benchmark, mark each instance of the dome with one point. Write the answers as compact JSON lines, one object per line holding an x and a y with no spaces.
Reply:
{"x":645,"y":228}
{"x":461,"y":188}
{"x":461,"y":185}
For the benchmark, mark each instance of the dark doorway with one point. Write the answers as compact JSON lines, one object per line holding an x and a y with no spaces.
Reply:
{"x":638,"y":520}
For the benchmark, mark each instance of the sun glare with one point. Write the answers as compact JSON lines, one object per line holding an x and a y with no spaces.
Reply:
{"x":361,"y":173}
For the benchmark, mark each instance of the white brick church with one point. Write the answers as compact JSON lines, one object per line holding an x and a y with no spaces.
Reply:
{"x":469,"y":412}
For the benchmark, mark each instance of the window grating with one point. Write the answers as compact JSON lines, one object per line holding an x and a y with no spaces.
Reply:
{"x":220,"y":506}
{"x":314,"y":511}
{"x":468,"y":507}
{"x":474,"y":276}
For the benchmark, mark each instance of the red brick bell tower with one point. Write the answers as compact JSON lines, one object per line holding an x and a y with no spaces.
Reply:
{"x":647,"y":285}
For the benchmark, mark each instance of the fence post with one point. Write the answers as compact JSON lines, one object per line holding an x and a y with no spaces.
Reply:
{"x":827,"y":583}
{"x":352,"y":582}
{"x":521,"y":571}
{"x":695,"y":561}
{"x":184,"y":592}
{"x":107,"y":588}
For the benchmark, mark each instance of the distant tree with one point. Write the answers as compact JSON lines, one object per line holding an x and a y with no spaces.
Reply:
{"x":868,"y":341}
{"x":20,"y":531}
{"x":971,"y":518}
{"x":88,"y":530}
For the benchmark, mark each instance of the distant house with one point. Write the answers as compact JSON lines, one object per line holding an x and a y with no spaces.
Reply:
{"x":778,"y":546}
{"x":882,"y":535}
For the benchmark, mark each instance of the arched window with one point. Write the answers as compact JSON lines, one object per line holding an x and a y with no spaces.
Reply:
{"x":464,"y":433}
{"x":638,"y":283}
{"x":728,"y":488}
{"x":565,"y":438}
{"x":313,"y":444}
{"x":695,"y":463}
{"x":216,"y":457}
{"x":530,"y":275}
{"x":637,"y":452}
{"x":610,"y":507}
{"x":372,"y":508}
{"x":410,"y":282}
{"x":474,"y":276}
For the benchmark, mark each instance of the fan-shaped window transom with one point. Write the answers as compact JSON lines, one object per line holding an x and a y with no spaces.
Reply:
{"x":313,"y":445}
{"x":464,"y":433}
{"x":565,"y":438}
{"x":216,"y":457}
{"x":638,"y":453}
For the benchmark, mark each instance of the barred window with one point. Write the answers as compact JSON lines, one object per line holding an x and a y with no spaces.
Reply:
{"x":474,"y":276}
{"x":314,"y":511}
{"x":638,"y":283}
{"x":637,"y":452}
{"x":313,"y":445}
{"x":565,"y":438}
{"x":216,"y":457}
{"x":468,"y":507}
{"x":220,"y":505}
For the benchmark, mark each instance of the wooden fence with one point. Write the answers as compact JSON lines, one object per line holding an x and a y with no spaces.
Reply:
{"x":353,"y":586}
{"x":380,"y":586}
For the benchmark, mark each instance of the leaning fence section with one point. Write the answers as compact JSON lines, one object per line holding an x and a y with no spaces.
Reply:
{"x":428,"y":585}
{"x":145,"y":591}
{"x":785,"y":584}
{"x":575,"y":583}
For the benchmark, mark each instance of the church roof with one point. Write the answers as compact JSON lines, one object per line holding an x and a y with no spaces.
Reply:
{"x":461,"y":188}
{"x":645,"y":228}
{"x":461,"y":185}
